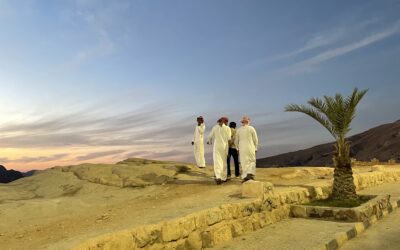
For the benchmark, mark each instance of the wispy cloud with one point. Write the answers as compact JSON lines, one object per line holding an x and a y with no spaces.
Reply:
{"x":101,"y":19}
{"x":85,"y":127}
{"x":95,"y":155}
{"x":309,"y":64}
{"x":314,"y":43}
{"x":27,"y":159}
{"x":320,"y":40}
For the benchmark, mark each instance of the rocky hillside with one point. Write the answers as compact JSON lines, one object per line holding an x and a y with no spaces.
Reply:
{"x":382,"y":143}
{"x":7,"y":176}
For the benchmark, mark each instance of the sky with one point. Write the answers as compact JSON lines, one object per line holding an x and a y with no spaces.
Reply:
{"x":101,"y":81}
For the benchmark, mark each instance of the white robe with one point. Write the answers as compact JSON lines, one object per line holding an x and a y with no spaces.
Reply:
{"x":247,"y":142}
{"x":198,"y":142}
{"x":219,"y":137}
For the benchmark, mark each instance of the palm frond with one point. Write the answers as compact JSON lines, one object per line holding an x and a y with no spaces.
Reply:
{"x":314,"y":113}
{"x":335,"y":113}
{"x":350,"y":105}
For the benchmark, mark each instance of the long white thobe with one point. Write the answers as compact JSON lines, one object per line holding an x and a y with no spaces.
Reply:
{"x":219,"y":137}
{"x":198,"y":142}
{"x":247,"y":142}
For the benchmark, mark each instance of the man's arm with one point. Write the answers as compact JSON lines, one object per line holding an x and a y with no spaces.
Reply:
{"x":211,"y":136}
{"x":201,"y":129}
{"x":237,"y":139}
{"x":255,"y":138}
{"x":194,"y":136}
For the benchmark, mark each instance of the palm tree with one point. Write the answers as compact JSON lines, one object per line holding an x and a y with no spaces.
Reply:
{"x":336,"y":114}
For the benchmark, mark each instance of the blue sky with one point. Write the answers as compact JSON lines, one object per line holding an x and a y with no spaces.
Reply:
{"x":99,"y":81}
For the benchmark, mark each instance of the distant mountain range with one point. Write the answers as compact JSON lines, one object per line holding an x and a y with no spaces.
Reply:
{"x":7,"y":176}
{"x":382,"y":143}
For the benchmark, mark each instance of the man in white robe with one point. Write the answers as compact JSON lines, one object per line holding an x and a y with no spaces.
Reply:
{"x":198,"y":143}
{"x":219,"y":137}
{"x":247,"y":142}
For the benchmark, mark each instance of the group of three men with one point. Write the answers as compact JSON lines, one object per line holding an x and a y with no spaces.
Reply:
{"x":228,"y":142}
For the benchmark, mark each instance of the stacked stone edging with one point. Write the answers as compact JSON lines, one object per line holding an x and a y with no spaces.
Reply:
{"x":358,"y":228}
{"x":220,"y":224}
{"x":375,"y":207}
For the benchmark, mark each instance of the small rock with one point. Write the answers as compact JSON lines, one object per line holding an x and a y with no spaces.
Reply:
{"x":103,"y":217}
{"x":20,"y":236}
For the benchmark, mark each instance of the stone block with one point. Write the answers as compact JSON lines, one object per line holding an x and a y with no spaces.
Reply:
{"x":359,"y":227}
{"x":194,"y":241}
{"x":227,"y":211}
{"x":200,"y":219}
{"x":206,"y":239}
{"x":256,"y":221}
{"x":213,"y":216}
{"x":147,"y":235}
{"x":237,"y":229}
{"x":221,"y":233}
{"x":248,"y":209}
{"x":298,"y":211}
{"x":247,"y":225}
{"x":171,"y":230}
{"x":188,"y":225}
{"x":341,"y":238}
{"x":255,"y":189}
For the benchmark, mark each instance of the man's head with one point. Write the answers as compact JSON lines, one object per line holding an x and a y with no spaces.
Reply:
{"x":232,"y":124}
{"x":225,"y":120}
{"x":245,"y":120}
{"x":200,"y":120}
{"x":222,"y":120}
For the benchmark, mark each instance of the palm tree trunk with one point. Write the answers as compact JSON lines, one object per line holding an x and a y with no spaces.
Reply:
{"x":343,"y":181}
{"x":343,"y":184}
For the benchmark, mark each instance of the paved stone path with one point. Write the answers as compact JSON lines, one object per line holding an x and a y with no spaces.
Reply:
{"x":293,"y":234}
{"x":383,"y":235}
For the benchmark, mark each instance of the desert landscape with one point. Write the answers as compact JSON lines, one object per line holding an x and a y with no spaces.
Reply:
{"x":62,"y":207}
{"x":190,"y":125}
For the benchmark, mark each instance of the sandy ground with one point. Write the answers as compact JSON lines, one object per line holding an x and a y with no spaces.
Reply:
{"x":60,"y":207}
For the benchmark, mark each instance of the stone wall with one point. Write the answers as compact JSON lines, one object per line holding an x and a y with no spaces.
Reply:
{"x":377,"y":176}
{"x":220,"y":224}
{"x":205,"y":228}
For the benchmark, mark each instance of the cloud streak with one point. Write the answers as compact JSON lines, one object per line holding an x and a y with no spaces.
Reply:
{"x":27,"y":159}
{"x":321,"y":40}
{"x":101,"y":19}
{"x":308,"y":64}
{"x":95,"y":155}
{"x":84,"y":128}
{"x":316,"y":42}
